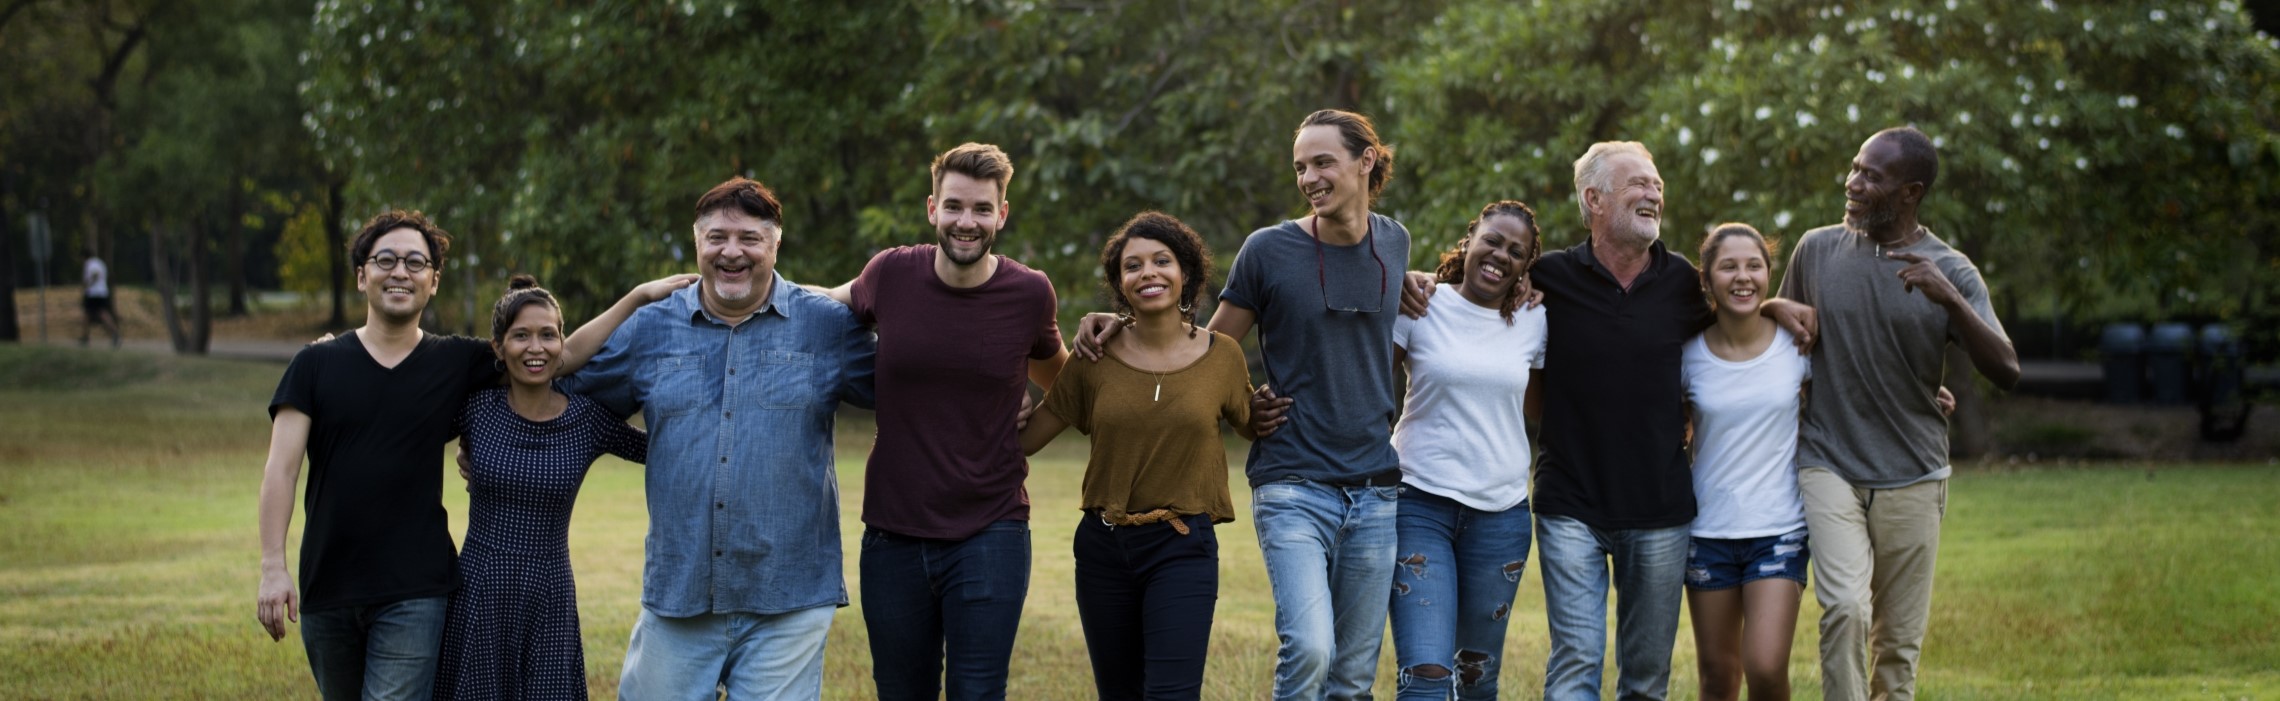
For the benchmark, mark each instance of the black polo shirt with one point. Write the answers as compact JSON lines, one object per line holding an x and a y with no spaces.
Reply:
{"x":1614,"y":427}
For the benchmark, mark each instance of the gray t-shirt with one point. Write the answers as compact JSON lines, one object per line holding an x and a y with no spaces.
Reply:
{"x":1870,"y":415}
{"x":1325,"y":317}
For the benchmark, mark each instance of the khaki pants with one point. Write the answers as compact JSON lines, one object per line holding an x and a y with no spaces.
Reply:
{"x":1873,"y":551}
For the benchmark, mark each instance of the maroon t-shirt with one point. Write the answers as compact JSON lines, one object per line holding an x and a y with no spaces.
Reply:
{"x":953,"y":365}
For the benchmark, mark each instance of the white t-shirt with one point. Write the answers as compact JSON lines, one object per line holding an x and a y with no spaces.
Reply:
{"x":1461,"y":434}
{"x":1745,"y":439}
{"x":98,"y":278}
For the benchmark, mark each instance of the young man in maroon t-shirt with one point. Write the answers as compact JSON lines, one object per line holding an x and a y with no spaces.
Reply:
{"x":962,"y":333}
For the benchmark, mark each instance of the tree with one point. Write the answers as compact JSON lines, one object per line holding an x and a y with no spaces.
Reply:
{"x":2095,"y":157}
{"x":2131,"y":125}
{"x":59,"y":81}
{"x":572,"y":143}
{"x":1110,"y":108}
{"x":164,"y":117}
{"x":211,"y":121}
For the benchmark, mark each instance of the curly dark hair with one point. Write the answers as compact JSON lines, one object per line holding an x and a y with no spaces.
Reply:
{"x":1452,"y":268}
{"x":522,"y":291}
{"x":438,"y":241}
{"x":1186,"y":247}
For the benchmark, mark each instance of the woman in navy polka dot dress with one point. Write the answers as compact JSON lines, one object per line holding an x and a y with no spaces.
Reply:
{"x":512,"y":631}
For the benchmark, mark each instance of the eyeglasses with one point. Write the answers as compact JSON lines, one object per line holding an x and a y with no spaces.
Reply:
{"x":412,"y":264}
{"x":1322,"y":273}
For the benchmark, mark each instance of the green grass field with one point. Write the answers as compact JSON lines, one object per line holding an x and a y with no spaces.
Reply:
{"x":128,"y":562}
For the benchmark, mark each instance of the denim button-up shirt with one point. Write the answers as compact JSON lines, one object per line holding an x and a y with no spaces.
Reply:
{"x":743,"y":497}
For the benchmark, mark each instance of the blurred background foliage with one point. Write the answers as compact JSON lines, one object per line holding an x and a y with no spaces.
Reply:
{"x":2102,"y":161}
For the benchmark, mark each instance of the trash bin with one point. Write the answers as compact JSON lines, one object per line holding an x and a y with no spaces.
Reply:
{"x":2224,"y":410}
{"x":2123,"y":346}
{"x":2167,"y":371}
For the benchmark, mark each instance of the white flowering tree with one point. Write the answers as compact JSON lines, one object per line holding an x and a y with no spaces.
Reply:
{"x":2103,"y":159}
{"x":573,"y":141}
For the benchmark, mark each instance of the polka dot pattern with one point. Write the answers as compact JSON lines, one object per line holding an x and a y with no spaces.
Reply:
{"x":512,"y":632}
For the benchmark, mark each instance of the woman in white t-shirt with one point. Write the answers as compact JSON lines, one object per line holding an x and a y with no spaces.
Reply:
{"x":1463,"y":527}
{"x":1746,"y":567}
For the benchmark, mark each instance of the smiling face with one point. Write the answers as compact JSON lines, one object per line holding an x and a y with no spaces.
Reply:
{"x":398,"y":296}
{"x":1874,"y":193}
{"x":532,"y":345}
{"x":1496,"y":256}
{"x":1630,"y":208}
{"x":966,"y":213}
{"x":1737,"y":274}
{"x":1150,"y":278}
{"x":736,"y":256}
{"x":1331,"y":178}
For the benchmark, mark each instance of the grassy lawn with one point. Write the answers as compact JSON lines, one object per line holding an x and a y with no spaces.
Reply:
{"x":128,"y":563}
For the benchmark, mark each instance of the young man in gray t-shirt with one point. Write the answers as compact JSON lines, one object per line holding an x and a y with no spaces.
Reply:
{"x":1891,"y":296}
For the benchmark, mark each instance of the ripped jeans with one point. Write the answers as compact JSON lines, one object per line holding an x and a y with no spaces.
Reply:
{"x":1456,"y":570}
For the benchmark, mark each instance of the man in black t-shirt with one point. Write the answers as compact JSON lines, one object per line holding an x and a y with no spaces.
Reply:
{"x":372,"y":410}
{"x":1614,"y":495}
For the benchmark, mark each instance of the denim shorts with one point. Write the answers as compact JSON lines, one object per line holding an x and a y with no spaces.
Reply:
{"x":1718,"y":563}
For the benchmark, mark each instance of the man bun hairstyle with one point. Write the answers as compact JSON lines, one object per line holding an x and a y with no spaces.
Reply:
{"x":977,"y":161}
{"x":1452,"y":267}
{"x":1187,"y":248}
{"x":438,"y":241}
{"x":522,"y":291}
{"x":744,"y":195}
{"x":1359,"y":136}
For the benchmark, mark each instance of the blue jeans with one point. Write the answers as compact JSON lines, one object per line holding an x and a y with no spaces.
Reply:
{"x":1649,"y":576}
{"x":1145,"y":595}
{"x":1455,"y":573}
{"x":752,"y":656}
{"x":942,"y":613}
{"x":382,"y":651}
{"x":1329,"y":557}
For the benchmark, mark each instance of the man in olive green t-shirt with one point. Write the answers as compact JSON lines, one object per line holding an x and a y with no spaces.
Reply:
{"x":1891,"y":296}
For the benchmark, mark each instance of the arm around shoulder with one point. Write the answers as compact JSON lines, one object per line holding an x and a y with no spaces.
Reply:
{"x":587,"y":341}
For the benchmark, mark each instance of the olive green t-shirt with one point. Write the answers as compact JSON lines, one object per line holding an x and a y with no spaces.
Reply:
{"x":1155,"y":436}
{"x":1870,"y":414}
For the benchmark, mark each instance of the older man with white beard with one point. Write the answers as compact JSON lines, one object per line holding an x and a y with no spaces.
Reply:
{"x":1613,"y":490}
{"x":1613,"y":485}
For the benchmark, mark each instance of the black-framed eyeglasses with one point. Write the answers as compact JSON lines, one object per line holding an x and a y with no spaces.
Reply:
{"x":1322,"y":272}
{"x":412,"y":264}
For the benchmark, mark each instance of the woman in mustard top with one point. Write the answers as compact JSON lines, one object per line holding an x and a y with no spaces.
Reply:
{"x":1156,"y":483}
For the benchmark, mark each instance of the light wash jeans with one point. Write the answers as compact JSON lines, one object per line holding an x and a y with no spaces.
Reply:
{"x":1649,"y":567}
{"x":1454,"y":576}
{"x":379,"y":652}
{"x":1329,"y":557}
{"x":752,"y":656}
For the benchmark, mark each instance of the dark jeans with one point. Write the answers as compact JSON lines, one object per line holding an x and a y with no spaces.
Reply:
{"x":935,"y":606}
{"x":1145,"y":595}
{"x":384,"y":651}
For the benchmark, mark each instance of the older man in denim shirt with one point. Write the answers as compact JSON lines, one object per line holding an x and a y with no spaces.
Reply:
{"x":739,"y":380}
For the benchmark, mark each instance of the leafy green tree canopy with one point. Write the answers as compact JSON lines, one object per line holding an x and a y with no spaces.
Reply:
{"x":2092,"y":154}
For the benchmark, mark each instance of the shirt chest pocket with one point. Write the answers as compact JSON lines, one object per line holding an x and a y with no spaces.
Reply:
{"x":678,"y":385}
{"x":792,"y":380}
